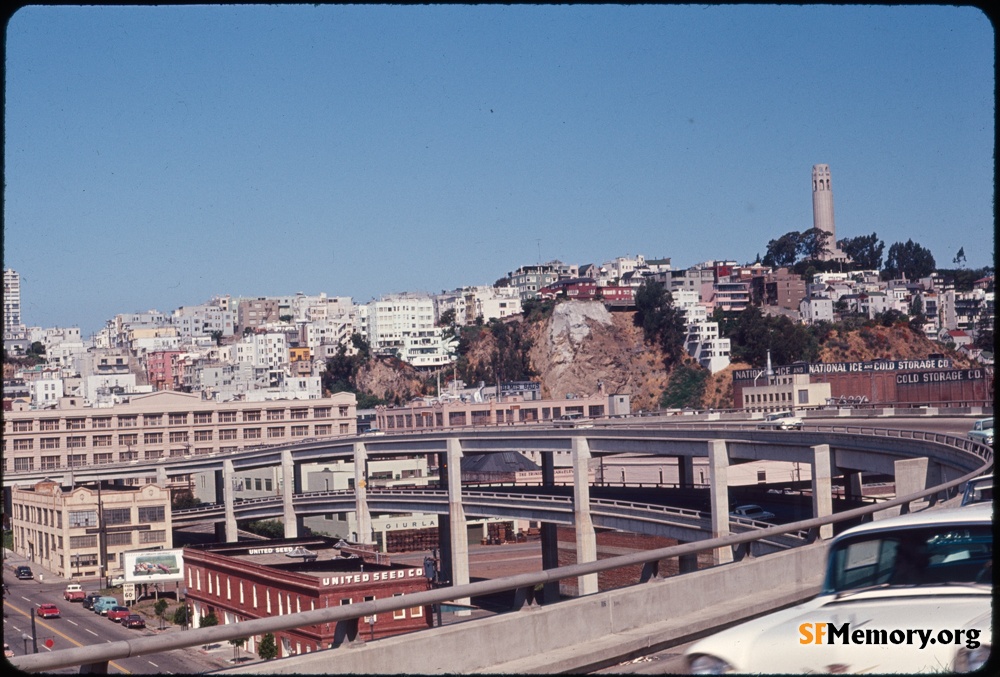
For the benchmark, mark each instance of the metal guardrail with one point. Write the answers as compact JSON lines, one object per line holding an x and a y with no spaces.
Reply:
{"x":97,"y":656}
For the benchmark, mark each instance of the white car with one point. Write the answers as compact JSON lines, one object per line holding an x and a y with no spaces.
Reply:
{"x":785,"y":420}
{"x":982,"y":431}
{"x":905,"y":594}
{"x":753,"y":512}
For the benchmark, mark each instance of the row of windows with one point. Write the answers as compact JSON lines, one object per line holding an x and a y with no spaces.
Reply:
{"x":87,"y":518}
{"x":175,"y":437}
{"x":181,"y":418}
{"x":282,"y":602}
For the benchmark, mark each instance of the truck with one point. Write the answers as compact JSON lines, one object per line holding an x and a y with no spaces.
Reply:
{"x":74,"y":592}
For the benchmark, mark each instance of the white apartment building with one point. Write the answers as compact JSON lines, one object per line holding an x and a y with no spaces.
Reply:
{"x":45,"y":391}
{"x":529,"y":279}
{"x":616,"y":269}
{"x":816,"y":309}
{"x":705,"y":345}
{"x":487,"y":303}
{"x":204,"y":319}
{"x":702,"y":341}
{"x":262,"y":351}
{"x":405,"y":325}
{"x":11,"y":304}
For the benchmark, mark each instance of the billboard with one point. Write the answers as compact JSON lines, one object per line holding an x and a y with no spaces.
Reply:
{"x":153,"y":566}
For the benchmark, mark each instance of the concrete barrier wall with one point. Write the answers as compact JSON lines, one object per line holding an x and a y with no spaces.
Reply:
{"x":692,"y":603}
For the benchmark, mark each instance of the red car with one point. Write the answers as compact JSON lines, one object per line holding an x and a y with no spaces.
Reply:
{"x":133,"y":621}
{"x":48,"y":611}
{"x":117,"y":613}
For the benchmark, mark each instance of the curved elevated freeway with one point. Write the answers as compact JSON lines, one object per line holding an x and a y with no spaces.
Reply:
{"x":579,"y":633}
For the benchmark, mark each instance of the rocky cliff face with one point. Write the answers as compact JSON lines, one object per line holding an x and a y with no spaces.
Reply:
{"x":583,"y":347}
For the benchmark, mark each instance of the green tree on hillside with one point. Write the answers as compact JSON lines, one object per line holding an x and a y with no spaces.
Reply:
{"x":908,"y":260}
{"x":661,"y":323}
{"x":865,"y":251}
{"x":784,"y":251}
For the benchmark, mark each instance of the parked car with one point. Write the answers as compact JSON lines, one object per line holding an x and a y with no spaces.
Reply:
{"x":133,"y":621}
{"x":784,"y":420}
{"x":47,"y":611}
{"x":117,"y":581}
{"x":752,"y":512}
{"x":24,"y":573}
{"x":117,"y":613}
{"x":102,"y":604}
{"x":74,"y":592}
{"x":88,"y":601}
{"x":978,"y":490}
{"x":904,"y":594}
{"x":982,"y":431}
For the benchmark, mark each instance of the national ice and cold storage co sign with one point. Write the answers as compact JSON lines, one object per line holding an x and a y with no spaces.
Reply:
{"x":872,"y":366}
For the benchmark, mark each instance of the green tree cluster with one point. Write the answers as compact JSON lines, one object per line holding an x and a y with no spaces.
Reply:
{"x":685,"y":387}
{"x":662,"y":324}
{"x":908,"y":260}
{"x":753,"y":334}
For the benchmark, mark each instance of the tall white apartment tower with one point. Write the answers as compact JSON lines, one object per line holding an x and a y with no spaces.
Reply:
{"x":11,"y":300}
{"x":823,"y":211}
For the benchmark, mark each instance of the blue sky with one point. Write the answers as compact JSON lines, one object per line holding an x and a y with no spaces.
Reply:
{"x":158,"y":156}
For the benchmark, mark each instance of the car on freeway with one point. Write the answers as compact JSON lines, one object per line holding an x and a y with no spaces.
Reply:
{"x":904,"y":594}
{"x":784,"y":420}
{"x":47,"y":611}
{"x":752,"y":512}
{"x":117,"y":613}
{"x":102,"y":604}
{"x":88,"y":601}
{"x":982,"y":431}
{"x":24,"y":573}
{"x":7,"y":651}
{"x":978,"y":490}
{"x":133,"y":621}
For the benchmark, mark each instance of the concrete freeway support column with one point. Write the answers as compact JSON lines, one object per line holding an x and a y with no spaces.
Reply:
{"x":228,"y":475}
{"x":915,"y":474}
{"x":586,"y":539}
{"x":685,"y":471}
{"x":288,"y":486}
{"x":362,"y":514}
{"x":822,"y":487}
{"x":456,"y":520}
{"x":549,"y":534}
{"x":852,"y":485}
{"x":718,"y":464}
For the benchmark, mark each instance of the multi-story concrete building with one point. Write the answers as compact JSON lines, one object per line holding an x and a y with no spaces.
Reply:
{"x":205,"y":319}
{"x":487,"y":303}
{"x":816,"y":309}
{"x":162,"y":425}
{"x":84,"y":531}
{"x":529,"y":279}
{"x":12,"y":326}
{"x":253,"y":313}
{"x":405,"y":325}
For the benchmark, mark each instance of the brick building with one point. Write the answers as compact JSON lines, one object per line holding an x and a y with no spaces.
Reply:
{"x":248,"y":580}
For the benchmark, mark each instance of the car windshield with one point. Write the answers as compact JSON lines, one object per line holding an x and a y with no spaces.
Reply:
{"x":953,"y":553}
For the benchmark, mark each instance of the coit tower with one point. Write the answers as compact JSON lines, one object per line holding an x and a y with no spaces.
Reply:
{"x":823,"y":201}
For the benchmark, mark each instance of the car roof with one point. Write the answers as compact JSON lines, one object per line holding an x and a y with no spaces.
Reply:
{"x":976,"y":512}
